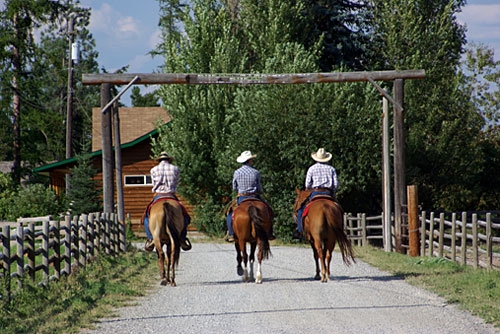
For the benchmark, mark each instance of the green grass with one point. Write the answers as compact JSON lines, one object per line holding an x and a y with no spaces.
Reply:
{"x":477,"y":291}
{"x":80,"y":299}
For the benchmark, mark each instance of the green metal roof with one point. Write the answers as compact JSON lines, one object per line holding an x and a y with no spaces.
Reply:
{"x":62,"y":163}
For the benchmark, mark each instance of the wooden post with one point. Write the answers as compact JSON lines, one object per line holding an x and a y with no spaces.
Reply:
{"x":431,"y":235}
{"x":441,"y":235}
{"x":118,"y":166}
{"x":489,"y":247}
{"x":463,"y":240}
{"x":399,"y":163}
{"x":454,"y":237}
{"x":423,"y":233}
{"x":57,"y":248}
{"x":45,"y":252}
{"x":413,"y":220}
{"x":475,"y":254}
{"x":386,"y":189}
{"x":107,"y":151}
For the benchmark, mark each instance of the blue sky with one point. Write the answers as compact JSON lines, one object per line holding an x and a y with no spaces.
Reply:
{"x":126,"y":30}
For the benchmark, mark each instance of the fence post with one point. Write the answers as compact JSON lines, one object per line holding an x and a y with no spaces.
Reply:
{"x":83,"y":240}
{"x":123,"y":237}
{"x":364,"y":240}
{"x":45,"y":252}
{"x":463,"y":241}
{"x":423,"y":233}
{"x":441,"y":235}
{"x":454,"y":237}
{"x":67,"y":245}
{"x":20,"y":253}
{"x":6,"y":260}
{"x":30,"y":250}
{"x":57,"y":248}
{"x":431,"y":235}
{"x":474,"y":241}
{"x":489,"y":246}
{"x":412,"y":195}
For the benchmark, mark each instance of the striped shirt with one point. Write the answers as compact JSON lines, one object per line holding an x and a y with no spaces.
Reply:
{"x":246,"y":180}
{"x":165,"y":177}
{"x":321,"y":175}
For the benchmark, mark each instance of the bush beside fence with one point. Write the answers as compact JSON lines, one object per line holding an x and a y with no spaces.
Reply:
{"x":46,"y":249}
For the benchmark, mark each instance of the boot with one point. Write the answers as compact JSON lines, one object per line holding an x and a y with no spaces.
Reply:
{"x":149,"y":246}
{"x":297,"y":235}
{"x":186,"y":244}
{"x":229,"y":238}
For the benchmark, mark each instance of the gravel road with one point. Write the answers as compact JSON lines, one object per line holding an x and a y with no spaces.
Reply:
{"x":211,"y":298}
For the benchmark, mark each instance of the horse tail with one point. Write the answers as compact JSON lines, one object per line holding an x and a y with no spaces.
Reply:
{"x":171,"y":230}
{"x":260,"y":232}
{"x":345,"y":243}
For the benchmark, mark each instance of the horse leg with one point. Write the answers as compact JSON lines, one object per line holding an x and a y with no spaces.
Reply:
{"x":324,"y":256}
{"x":161,"y":265}
{"x":239,"y":268}
{"x":172,"y":262}
{"x":253,"y":247}
{"x":258,"y":280}
{"x":315,"y":253}
{"x":245,"y":263}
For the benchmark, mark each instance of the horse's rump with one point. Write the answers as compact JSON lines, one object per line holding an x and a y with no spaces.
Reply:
{"x":166,"y":221}
{"x":252,"y":221}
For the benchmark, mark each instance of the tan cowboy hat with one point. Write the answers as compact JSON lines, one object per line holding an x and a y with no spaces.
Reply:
{"x":164,"y":156}
{"x":245,"y":156}
{"x":321,"y":155}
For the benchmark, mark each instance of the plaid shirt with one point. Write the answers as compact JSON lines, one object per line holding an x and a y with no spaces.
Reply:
{"x":321,"y":175}
{"x":165,"y":177}
{"x":246,"y":180}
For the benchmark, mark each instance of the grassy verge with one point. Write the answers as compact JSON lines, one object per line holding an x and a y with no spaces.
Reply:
{"x":77,"y":301}
{"x":477,"y":291}
{"x":109,"y":282}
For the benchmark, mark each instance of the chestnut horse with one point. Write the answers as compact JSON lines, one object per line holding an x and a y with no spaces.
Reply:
{"x":252,"y":224}
{"x":323,"y":227}
{"x":166,"y":220}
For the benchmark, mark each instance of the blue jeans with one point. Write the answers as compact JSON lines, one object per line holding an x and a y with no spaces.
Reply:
{"x":187,"y":220}
{"x":300,"y":211}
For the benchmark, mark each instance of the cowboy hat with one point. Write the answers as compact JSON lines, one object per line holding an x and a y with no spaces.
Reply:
{"x":321,"y":155}
{"x":164,"y":156}
{"x":245,"y":156}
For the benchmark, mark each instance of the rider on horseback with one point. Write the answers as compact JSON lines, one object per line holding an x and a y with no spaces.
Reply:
{"x":165,"y":177}
{"x":321,"y":179}
{"x":247,"y":184}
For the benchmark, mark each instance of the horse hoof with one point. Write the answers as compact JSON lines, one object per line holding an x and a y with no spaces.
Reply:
{"x":173,"y":284}
{"x":163,"y":282}
{"x":317,"y":277}
{"x":239,"y":270}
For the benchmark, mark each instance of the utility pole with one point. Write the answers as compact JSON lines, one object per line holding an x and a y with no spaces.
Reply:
{"x":69,"y":101}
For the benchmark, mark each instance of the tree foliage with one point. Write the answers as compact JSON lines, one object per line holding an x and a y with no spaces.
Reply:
{"x":35,"y":78}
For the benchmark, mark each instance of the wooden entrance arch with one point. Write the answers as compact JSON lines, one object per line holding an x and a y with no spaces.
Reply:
{"x":129,"y":79}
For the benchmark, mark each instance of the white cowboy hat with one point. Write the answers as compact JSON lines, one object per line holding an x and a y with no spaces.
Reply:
{"x":164,"y":156}
{"x":321,"y":155}
{"x":245,"y":156}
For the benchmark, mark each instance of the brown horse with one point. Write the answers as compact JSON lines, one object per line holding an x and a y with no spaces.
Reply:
{"x":166,"y":220}
{"x":252,"y":224}
{"x":323,"y":227}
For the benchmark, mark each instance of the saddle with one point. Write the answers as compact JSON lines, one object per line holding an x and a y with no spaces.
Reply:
{"x":315,"y":198}
{"x":160,"y":199}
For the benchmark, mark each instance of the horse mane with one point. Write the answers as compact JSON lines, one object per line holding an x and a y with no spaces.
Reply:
{"x":168,"y":211}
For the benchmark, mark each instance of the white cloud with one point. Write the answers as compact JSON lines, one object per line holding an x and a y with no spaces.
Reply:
{"x":111,"y":22}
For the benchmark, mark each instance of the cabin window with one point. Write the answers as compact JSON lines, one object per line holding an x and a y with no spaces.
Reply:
{"x":138,"y":180}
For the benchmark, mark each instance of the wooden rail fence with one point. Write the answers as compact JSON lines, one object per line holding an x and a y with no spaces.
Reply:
{"x":43,"y":249}
{"x":364,"y":230}
{"x":464,"y":238}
